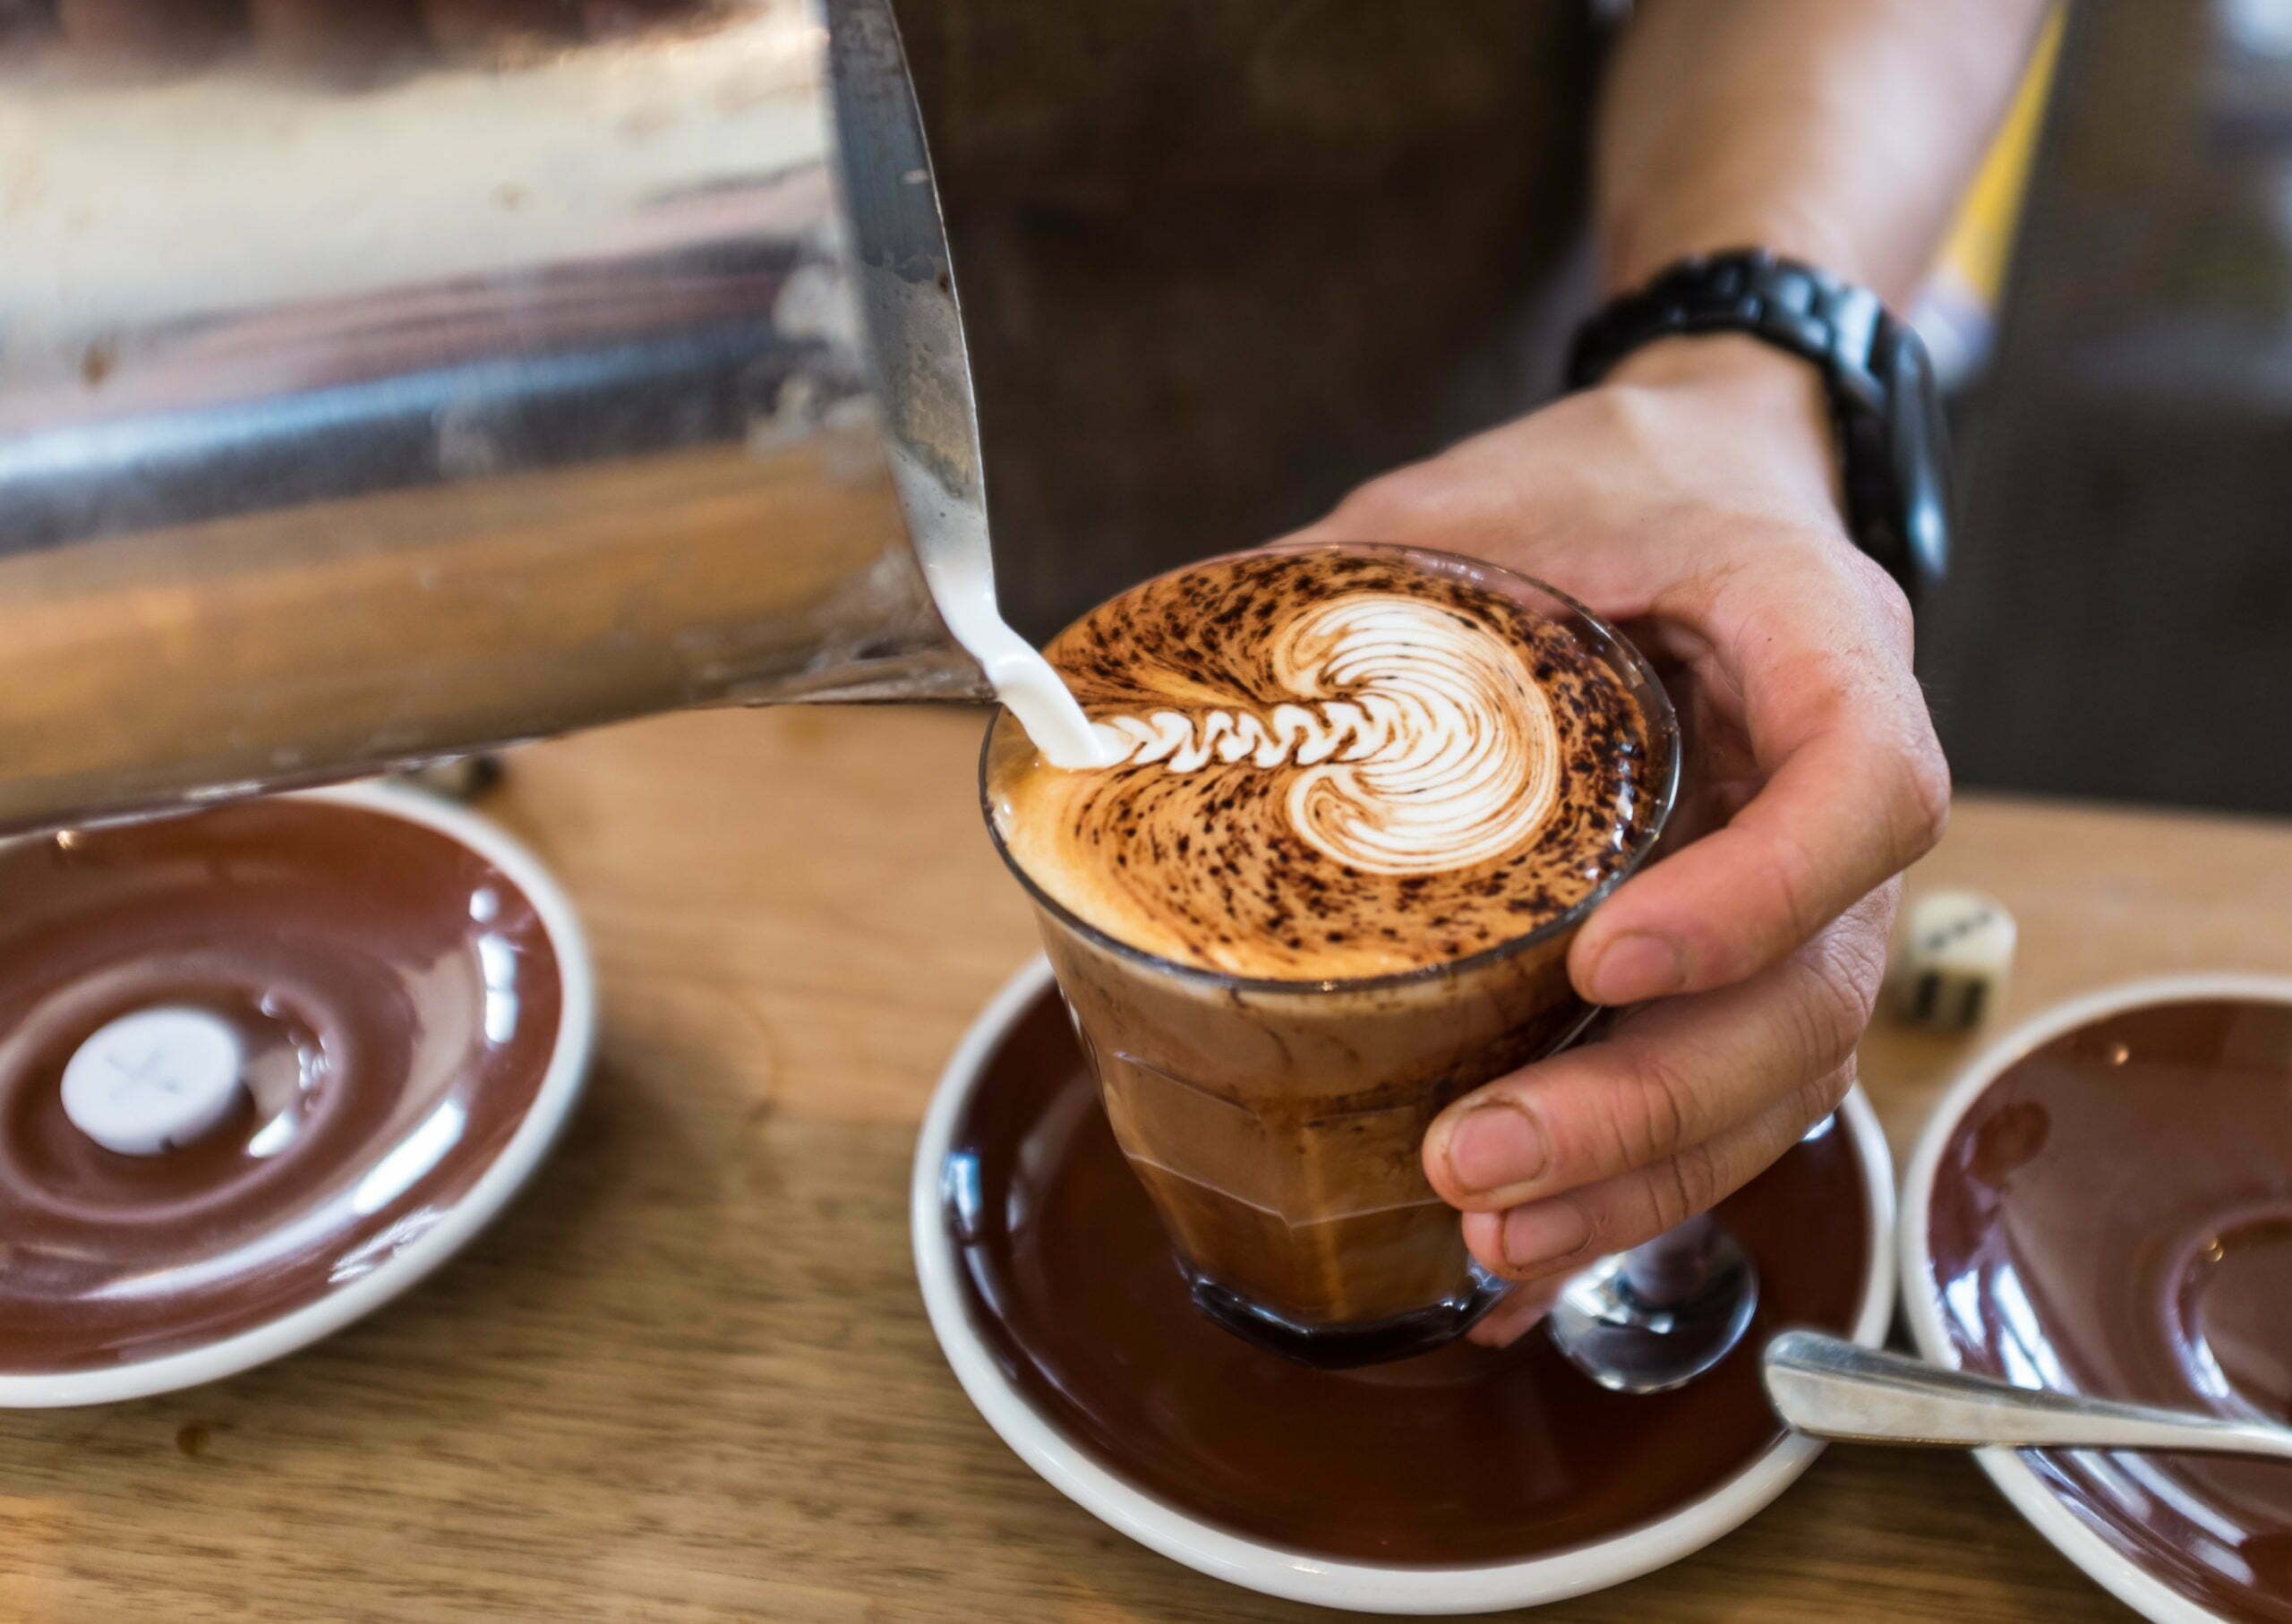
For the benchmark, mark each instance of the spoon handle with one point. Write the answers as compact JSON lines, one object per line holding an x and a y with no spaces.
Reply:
{"x":1833,"y":1388}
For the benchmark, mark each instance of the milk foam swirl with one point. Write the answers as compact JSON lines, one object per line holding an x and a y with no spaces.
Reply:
{"x":1443,"y":753}
{"x":1334,"y":763}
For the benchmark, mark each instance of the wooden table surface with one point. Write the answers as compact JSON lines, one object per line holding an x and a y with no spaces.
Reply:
{"x":687,"y":1375}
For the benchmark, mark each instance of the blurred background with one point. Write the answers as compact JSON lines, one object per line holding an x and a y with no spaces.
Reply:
{"x":2119,"y":621}
{"x":1221,"y":261}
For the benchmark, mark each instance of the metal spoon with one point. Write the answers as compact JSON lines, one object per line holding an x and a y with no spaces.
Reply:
{"x":1833,"y":1388}
{"x":1658,"y":1316}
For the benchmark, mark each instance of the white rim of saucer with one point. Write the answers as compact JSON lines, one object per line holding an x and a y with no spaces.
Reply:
{"x":1296,"y":1575}
{"x":2118,"y":1575}
{"x":553,"y":1101}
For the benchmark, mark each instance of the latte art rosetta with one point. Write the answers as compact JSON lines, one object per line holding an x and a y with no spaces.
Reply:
{"x":1442,"y":752}
{"x":1333,"y":763}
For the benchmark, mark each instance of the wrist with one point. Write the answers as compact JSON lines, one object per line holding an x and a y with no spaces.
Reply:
{"x":1634,"y":250}
{"x":1764,"y":392}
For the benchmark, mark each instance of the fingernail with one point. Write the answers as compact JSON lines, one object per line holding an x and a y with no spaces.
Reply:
{"x":1543,"y":1232}
{"x":1495,"y":1144}
{"x":1636,"y":967}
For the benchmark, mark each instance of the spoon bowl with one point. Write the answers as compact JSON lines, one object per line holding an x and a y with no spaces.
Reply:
{"x":1658,"y":1316}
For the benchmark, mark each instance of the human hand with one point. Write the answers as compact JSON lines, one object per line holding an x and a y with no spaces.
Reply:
{"x":1690,"y":499}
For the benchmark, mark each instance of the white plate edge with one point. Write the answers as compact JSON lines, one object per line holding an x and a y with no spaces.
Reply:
{"x":1297,"y":1576}
{"x":2131,"y":1584}
{"x":554,"y":1101}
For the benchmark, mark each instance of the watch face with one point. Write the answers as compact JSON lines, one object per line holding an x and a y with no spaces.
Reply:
{"x":1920,"y":458}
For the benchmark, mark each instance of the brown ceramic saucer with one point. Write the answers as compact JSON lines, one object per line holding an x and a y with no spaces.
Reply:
{"x":1461,"y":1481}
{"x":411,"y":1005}
{"x":2103,"y":1205}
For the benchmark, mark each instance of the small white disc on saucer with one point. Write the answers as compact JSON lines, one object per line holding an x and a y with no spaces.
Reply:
{"x":154,"y":1080}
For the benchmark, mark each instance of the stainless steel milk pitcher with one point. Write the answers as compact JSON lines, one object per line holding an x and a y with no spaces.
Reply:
{"x":346,"y":428}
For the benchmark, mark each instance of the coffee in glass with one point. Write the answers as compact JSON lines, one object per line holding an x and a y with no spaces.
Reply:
{"x":1364,"y":796}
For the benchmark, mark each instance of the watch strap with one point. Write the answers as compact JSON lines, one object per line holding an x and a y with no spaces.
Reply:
{"x":1874,"y":368}
{"x":1808,"y":311}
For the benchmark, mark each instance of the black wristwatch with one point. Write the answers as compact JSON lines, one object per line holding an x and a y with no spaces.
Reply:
{"x":1883,"y":397}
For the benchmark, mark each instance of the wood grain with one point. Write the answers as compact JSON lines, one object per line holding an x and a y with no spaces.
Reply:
{"x":687,"y":1375}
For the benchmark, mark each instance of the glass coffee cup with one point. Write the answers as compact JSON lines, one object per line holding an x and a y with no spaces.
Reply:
{"x":1276,"y":1125}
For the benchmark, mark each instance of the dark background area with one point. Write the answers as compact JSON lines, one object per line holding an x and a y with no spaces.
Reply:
{"x":2119,"y":621}
{"x":1222,"y":260}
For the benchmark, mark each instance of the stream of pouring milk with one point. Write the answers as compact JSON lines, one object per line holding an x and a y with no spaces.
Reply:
{"x":1030,"y":688}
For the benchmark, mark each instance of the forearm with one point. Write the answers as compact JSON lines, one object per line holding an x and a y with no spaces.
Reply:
{"x":1838,"y":132}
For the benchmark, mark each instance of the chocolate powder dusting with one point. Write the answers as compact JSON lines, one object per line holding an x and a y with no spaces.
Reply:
{"x":1208,"y":866}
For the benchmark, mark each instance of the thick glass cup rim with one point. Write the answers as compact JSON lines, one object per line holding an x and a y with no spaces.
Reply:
{"x":1662,"y":783}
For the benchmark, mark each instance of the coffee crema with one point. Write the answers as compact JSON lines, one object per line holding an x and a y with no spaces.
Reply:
{"x":1332,"y":765}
